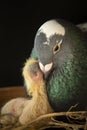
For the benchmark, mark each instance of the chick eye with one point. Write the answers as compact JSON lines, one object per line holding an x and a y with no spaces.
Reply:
{"x":57,"y":47}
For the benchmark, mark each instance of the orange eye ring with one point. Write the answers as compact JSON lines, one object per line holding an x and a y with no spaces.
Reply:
{"x":57,"y":47}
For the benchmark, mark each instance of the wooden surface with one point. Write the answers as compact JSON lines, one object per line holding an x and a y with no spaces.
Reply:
{"x":8,"y":93}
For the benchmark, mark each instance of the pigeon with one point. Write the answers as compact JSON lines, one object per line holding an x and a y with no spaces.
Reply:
{"x":61,"y":50}
{"x":25,"y":109}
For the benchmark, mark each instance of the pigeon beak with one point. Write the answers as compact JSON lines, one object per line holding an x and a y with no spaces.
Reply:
{"x":46,"y":69}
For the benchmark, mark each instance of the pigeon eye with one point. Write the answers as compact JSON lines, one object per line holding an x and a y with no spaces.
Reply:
{"x":57,"y":47}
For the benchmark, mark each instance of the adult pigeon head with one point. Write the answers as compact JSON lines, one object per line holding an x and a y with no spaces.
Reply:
{"x":52,"y":45}
{"x":61,"y":49}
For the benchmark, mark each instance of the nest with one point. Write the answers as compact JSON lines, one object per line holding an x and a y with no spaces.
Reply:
{"x":74,"y":120}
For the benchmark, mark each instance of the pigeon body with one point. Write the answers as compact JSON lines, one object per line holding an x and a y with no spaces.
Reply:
{"x":61,"y":49}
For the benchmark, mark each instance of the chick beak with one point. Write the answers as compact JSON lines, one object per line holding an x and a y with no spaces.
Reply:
{"x":46,"y":69}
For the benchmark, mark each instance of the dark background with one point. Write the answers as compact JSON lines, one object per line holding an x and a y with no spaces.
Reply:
{"x":18,"y":25}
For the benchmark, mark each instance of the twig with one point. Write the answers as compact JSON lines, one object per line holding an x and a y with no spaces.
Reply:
{"x":47,"y":121}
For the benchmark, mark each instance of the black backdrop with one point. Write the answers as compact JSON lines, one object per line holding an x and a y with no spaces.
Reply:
{"x":18,"y":25}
